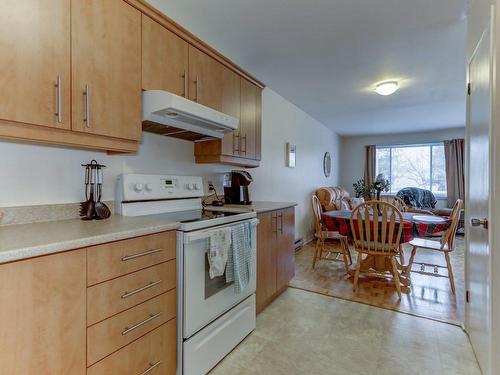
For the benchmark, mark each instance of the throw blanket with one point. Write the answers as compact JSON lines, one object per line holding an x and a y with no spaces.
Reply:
{"x":417,"y":198}
{"x":239,"y":263}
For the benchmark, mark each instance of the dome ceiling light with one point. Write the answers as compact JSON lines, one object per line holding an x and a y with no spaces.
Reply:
{"x":386,"y":88}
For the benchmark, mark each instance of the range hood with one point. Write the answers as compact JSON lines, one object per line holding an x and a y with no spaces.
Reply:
{"x":172,"y":115}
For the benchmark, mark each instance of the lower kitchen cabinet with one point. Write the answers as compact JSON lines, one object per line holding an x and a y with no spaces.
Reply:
{"x":42,"y":310}
{"x":106,"y":309}
{"x":275,"y":254}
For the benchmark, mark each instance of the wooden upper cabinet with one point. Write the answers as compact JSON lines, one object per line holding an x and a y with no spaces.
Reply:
{"x":106,"y":68}
{"x":164,"y":59}
{"x":231,"y":105}
{"x":205,"y":79}
{"x":34,"y":52}
{"x":250,"y":122}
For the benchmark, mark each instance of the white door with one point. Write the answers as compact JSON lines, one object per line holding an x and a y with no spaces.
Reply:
{"x":478,"y":310}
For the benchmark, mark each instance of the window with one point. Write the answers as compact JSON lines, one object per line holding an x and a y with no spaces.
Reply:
{"x":421,"y":166}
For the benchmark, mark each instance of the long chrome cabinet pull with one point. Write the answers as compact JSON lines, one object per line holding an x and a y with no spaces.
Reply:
{"x":274,"y":218}
{"x":86,"y":94}
{"x":135,"y":326}
{"x":197,"y":91}
{"x":236,"y":150}
{"x":59,"y":100}
{"x":186,"y":86}
{"x":138,"y":255}
{"x":142,"y":288}
{"x":151,"y":367}
{"x":241,"y":147}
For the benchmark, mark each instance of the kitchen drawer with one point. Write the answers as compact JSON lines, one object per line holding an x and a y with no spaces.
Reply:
{"x":114,"y":333}
{"x":156,"y":348}
{"x":114,"y":296}
{"x":107,"y":261}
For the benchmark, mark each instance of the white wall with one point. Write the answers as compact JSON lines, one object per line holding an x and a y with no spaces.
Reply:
{"x":33,"y":174}
{"x":353,"y":154}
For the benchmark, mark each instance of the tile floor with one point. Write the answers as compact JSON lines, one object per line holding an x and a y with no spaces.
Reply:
{"x":308,"y":333}
{"x":428,"y":296}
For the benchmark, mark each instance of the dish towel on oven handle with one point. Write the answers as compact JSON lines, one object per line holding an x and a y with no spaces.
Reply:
{"x":219,"y":246}
{"x":239,"y":265}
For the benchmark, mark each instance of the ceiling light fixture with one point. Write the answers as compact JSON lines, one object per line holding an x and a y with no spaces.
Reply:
{"x":386,"y":88}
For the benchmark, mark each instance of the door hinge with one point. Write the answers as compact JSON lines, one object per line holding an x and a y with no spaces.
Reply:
{"x":467,"y":296}
{"x":468,"y":88}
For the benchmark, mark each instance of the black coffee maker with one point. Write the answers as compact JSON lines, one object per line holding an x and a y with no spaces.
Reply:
{"x":236,"y":187}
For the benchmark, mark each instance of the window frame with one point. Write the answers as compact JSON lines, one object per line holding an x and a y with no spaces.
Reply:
{"x":404,"y":145}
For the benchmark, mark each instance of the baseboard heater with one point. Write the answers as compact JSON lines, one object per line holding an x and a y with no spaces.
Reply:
{"x":298,"y":244}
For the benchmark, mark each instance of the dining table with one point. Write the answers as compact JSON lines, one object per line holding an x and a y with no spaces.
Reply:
{"x":414,"y":225}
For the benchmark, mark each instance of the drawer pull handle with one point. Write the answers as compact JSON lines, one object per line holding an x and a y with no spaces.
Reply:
{"x":151,"y":367}
{"x":144,"y":253}
{"x":135,"y":326}
{"x":142,"y":288}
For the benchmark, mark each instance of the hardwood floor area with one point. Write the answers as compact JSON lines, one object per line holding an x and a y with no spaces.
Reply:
{"x":428,"y":296}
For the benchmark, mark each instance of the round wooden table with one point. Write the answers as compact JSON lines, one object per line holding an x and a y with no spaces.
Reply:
{"x":414,"y":225}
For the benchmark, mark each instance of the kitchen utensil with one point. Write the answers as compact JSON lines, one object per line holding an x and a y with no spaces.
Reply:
{"x":84,"y":205}
{"x":101,"y":209}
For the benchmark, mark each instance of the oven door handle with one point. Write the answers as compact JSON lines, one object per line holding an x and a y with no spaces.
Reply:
{"x":203,"y":234}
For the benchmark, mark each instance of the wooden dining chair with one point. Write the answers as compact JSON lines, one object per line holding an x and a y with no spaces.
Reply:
{"x":445,"y":245}
{"x":329,"y":245}
{"x":398,"y":202}
{"x":377,"y":227}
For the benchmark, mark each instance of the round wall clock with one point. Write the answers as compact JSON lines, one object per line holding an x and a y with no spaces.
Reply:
{"x":327,"y":164}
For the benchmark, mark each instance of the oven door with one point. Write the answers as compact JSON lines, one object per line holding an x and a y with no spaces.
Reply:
{"x":205,"y":299}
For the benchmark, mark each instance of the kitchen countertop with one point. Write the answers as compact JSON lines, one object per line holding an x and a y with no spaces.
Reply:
{"x":30,"y":240}
{"x":257,"y":206}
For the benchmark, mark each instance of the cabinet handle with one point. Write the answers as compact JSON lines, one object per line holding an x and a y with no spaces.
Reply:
{"x":197,"y":89}
{"x":142,"y":288}
{"x":137,"y":325}
{"x":86,"y":95}
{"x":151,"y":367}
{"x":275,"y":218}
{"x":144,"y":253}
{"x":236,"y":150}
{"x":281,"y":223}
{"x":245,"y":150}
{"x":59,"y":100}
{"x":186,"y":89}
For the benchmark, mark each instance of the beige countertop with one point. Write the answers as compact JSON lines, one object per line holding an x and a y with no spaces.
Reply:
{"x":30,"y":240}
{"x":257,"y":206}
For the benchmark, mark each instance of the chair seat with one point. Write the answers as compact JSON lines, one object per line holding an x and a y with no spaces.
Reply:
{"x":428,"y":244}
{"x":329,"y":235}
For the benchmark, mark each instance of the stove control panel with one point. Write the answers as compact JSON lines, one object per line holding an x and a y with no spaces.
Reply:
{"x":140,"y":187}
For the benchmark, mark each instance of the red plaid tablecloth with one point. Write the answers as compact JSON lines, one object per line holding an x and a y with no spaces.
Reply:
{"x":339,"y":221}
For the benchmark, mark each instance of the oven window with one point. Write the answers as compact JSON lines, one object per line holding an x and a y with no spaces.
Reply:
{"x":215,"y":285}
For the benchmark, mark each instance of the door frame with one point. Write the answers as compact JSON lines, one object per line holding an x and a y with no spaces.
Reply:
{"x":494,"y":199}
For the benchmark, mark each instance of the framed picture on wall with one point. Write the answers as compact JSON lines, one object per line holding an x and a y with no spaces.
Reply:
{"x":291,"y":151}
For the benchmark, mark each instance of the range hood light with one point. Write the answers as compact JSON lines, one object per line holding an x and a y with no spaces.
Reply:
{"x":172,"y":114}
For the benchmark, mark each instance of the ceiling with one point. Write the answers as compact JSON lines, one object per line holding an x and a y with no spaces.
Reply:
{"x":326,"y":55}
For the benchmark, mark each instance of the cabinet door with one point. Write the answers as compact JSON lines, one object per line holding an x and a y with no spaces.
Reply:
{"x":164,"y":59}
{"x":205,"y":79}
{"x":285,"y":248}
{"x":231,"y":104}
{"x":43,"y":315}
{"x":250,"y":120}
{"x":266,"y":259}
{"x":34,"y":52}
{"x":106,"y":68}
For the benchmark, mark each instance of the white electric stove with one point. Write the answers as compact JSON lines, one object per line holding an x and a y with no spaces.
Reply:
{"x":212,"y":318}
